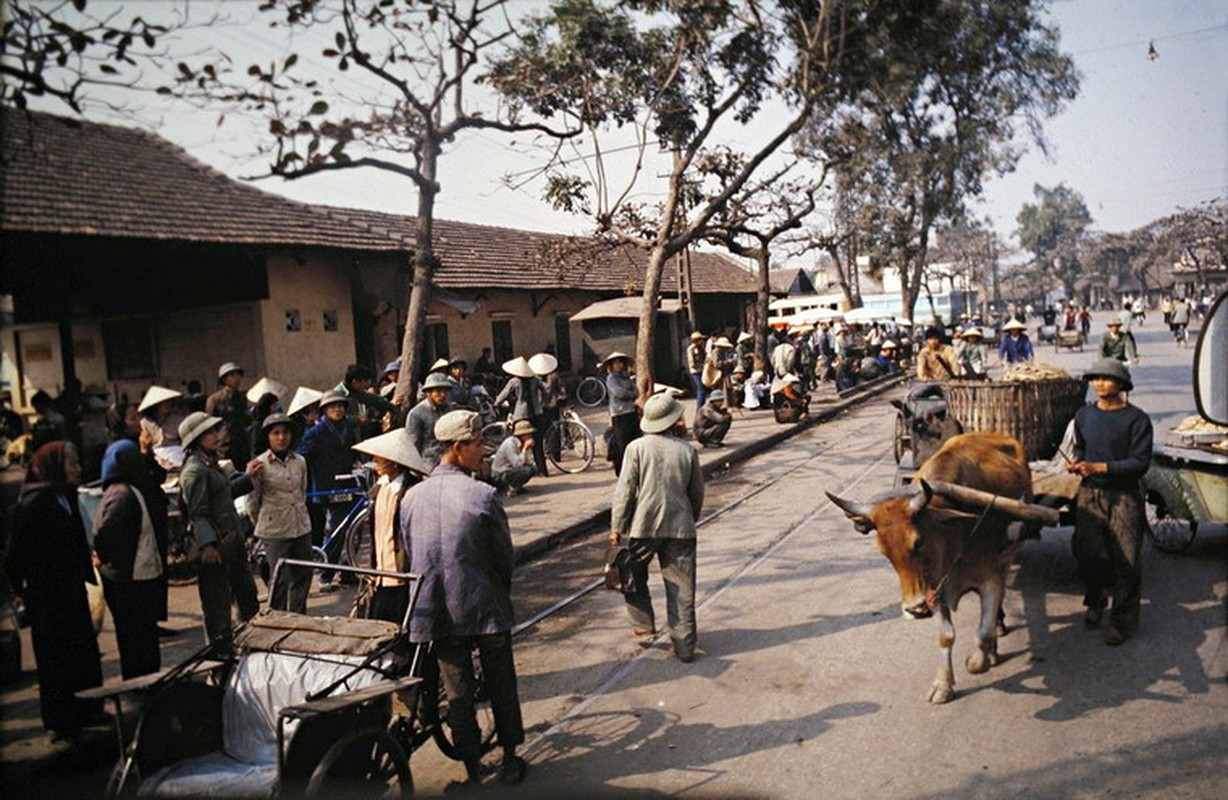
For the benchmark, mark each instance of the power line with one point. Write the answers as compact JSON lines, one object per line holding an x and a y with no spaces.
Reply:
{"x":1144,"y":42}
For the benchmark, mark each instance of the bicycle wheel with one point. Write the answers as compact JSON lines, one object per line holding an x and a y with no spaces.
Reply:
{"x":901,"y":438}
{"x":442,"y":731}
{"x":1170,"y":534}
{"x":359,"y":544}
{"x":570,"y":446}
{"x":591,"y":392}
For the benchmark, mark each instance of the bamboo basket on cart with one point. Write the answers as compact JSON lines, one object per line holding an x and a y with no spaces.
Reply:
{"x":1034,"y":412}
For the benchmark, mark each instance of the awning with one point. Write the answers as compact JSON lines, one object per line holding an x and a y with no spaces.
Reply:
{"x":623,"y":308}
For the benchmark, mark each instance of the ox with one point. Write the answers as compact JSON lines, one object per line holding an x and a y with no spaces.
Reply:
{"x":956,"y":530}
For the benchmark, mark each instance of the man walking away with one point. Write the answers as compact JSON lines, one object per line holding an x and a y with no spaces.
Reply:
{"x":456,"y":532}
{"x":657,"y":499}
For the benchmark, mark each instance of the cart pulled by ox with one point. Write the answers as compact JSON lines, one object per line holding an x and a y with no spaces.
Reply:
{"x":1186,"y":485}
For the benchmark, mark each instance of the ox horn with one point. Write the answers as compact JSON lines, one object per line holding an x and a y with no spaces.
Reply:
{"x":859,"y":513}
{"x":920,"y":499}
{"x":1030,"y":512}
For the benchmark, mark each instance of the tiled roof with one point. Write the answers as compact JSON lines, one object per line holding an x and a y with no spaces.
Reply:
{"x":478,"y":256}
{"x":69,"y":176}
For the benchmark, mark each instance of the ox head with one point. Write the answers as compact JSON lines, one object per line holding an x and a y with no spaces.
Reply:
{"x":913,"y":535}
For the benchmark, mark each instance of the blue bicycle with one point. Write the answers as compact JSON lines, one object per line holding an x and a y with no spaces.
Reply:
{"x":340,"y":539}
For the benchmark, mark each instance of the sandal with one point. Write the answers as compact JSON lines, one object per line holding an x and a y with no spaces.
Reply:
{"x":513,"y":770}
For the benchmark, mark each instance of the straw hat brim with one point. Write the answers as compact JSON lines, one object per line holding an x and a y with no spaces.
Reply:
{"x":395,"y":446}
{"x":543,"y":364}
{"x":303,"y":398}
{"x":518,"y":367}
{"x":266,"y":386}
{"x":155,"y":395}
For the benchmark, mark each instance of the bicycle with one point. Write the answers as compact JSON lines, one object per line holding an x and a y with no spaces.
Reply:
{"x":569,"y":443}
{"x":426,"y":716}
{"x":591,"y":392}
{"x":329,"y":551}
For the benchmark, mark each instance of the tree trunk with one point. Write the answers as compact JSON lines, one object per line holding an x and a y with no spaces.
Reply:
{"x":423,"y":280}
{"x":762,"y":300}
{"x":646,"y":334}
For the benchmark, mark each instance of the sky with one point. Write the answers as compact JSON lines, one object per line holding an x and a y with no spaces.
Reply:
{"x":1143,"y":139}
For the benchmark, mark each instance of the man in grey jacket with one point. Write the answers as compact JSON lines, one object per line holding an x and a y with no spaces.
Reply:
{"x":456,"y":532}
{"x":658,"y":497}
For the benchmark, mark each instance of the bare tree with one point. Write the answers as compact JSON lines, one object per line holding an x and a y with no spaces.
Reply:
{"x":678,"y":74}
{"x":759,"y":216}
{"x":416,"y":64}
{"x":59,"y":51}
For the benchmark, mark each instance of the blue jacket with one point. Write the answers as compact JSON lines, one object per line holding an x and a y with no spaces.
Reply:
{"x":326,"y":446}
{"x":1012,"y":350}
{"x":456,"y":532}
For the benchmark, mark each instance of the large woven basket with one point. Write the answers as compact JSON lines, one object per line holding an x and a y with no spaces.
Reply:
{"x":1034,"y":412}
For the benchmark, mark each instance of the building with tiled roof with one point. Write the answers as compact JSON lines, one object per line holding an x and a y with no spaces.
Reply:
{"x":163,"y":267}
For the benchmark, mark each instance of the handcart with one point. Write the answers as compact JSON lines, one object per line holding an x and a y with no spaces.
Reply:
{"x":1069,"y":339}
{"x":298,"y":706}
{"x":1035,"y":412}
{"x":1185,"y":486}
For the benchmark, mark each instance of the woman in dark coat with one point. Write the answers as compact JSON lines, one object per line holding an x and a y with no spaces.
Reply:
{"x":130,"y":523}
{"x":49,"y":565}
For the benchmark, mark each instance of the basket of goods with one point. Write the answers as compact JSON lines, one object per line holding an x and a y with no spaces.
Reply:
{"x":1032,"y":402}
{"x":1195,"y":430}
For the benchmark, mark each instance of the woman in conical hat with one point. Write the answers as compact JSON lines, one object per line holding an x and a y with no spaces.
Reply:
{"x":399,"y":466}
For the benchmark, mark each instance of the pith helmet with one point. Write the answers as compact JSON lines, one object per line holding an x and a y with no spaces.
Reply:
{"x":1110,"y":368}
{"x":661,"y":411}
{"x":194,"y":426}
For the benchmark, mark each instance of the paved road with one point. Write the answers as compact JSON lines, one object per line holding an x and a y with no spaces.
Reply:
{"x":810,"y":683}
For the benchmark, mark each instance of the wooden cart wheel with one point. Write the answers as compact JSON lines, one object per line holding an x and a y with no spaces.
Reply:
{"x":901,"y":438}
{"x":1170,"y":534}
{"x":365,"y":763}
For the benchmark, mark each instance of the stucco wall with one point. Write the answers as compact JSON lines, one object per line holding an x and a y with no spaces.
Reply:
{"x":311,"y":356}
{"x":531,"y":333}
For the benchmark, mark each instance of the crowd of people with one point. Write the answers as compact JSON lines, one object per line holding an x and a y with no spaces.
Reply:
{"x":286,"y":454}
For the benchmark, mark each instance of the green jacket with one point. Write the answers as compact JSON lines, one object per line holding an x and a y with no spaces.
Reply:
{"x":207,"y":497}
{"x":1119,"y":347}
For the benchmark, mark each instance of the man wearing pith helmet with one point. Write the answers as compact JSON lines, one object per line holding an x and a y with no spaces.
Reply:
{"x":658,"y":497}
{"x":1112,"y":452}
{"x":456,"y":531}
{"x":230,"y":405}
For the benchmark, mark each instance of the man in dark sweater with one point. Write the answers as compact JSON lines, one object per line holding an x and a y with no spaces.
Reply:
{"x":1112,"y":452}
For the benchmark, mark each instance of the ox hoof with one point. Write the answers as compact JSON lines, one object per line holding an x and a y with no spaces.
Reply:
{"x":940,"y":693}
{"x":980,"y":661}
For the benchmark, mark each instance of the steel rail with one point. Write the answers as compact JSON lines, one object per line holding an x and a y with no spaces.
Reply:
{"x":587,"y":589}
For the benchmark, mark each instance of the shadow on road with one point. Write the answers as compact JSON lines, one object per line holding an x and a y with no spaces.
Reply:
{"x":593,"y":752}
{"x":1163,"y":662}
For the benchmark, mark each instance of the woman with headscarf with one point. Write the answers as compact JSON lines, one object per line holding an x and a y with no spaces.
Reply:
{"x":48,"y":564}
{"x":127,"y":421}
{"x":130,"y":524}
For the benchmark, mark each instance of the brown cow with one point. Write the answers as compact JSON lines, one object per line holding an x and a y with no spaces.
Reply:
{"x":956,"y":530}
